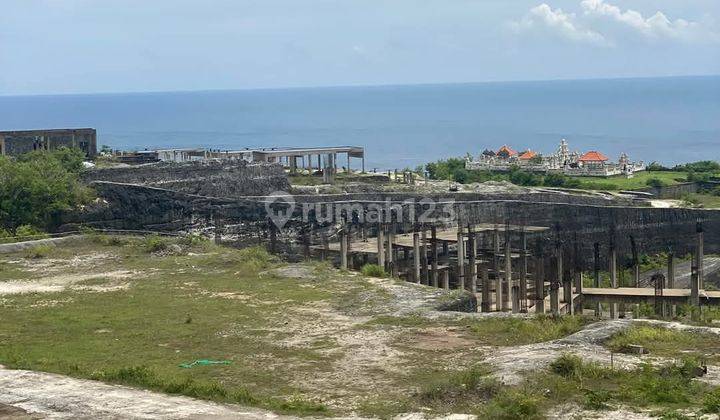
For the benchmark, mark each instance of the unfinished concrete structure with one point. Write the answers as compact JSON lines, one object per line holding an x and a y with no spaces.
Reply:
{"x":323,"y":159}
{"x":14,"y":143}
{"x":519,"y":253}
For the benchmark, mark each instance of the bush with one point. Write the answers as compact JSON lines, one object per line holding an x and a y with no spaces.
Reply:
{"x":514,"y":405}
{"x":193,"y":239}
{"x":36,"y":187}
{"x":470,"y":386}
{"x":373,"y":270}
{"x":700,"y":166}
{"x":656,"y":167}
{"x":155,"y":243}
{"x":28,"y":232}
{"x":596,"y":400}
{"x":711,"y":402}
{"x":655,"y":182}
{"x":520,"y":177}
{"x":39,"y":251}
{"x":568,"y":366}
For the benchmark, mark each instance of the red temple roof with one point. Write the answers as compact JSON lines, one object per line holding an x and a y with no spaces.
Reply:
{"x":593,"y":156}
{"x":527,"y":155}
{"x":505,"y":149}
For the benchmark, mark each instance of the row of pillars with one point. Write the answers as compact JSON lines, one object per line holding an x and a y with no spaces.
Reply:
{"x":492,"y":268}
{"x":327,"y":163}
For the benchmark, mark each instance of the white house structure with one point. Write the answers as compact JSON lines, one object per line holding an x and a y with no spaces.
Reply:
{"x":591,"y":163}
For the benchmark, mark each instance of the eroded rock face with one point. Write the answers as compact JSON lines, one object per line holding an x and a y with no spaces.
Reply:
{"x":229,"y":179}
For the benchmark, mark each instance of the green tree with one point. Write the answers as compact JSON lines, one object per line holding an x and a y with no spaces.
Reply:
{"x":36,"y":187}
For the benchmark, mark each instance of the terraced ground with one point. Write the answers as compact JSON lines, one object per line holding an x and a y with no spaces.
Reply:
{"x":306,"y":339}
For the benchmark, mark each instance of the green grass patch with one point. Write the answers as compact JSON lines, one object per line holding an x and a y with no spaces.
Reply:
{"x":638,"y":181}
{"x":666,"y":342}
{"x":373,"y":270}
{"x":38,"y":251}
{"x":519,"y":331}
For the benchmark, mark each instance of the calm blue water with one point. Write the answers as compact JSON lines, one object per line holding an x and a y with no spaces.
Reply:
{"x":670,"y":119}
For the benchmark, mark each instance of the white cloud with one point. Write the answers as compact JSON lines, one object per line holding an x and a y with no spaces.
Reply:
{"x":658,"y":25}
{"x":544,"y":17}
{"x":602,"y":23}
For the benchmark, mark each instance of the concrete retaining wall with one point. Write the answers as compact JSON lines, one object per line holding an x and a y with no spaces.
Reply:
{"x":19,"y":246}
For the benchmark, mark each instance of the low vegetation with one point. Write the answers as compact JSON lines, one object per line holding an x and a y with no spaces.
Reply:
{"x":667,"y":342}
{"x":373,"y":270}
{"x":37,"y":186}
{"x":299,"y":339}
{"x":666,"y":388}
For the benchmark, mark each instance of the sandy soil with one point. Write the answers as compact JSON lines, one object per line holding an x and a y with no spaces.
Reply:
{"x":54,"y":396}
{"x":52,"y":275}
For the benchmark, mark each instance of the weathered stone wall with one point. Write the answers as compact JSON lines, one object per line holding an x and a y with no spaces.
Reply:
{"x":680,"y":190}
{"x":573,"y":225}
{"x":213,"y":179}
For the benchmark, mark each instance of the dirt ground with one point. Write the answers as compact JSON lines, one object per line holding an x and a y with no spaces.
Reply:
{"x":361,"y":360}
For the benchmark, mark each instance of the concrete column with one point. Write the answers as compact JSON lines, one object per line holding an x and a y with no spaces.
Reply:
{"x":343,"y":249}
{"x":539,"y":285}
{"x":389,"y":251}
{"x":485,"y":298}
{"x":578,"y":304}
{"x":273,"y":236}
{"x":218,"y":228}
{"x":423,"y":258}
{"x":460,"y":258}
{"x":496,"y":269}
{"x":696,"y":281}
{"x":565,"y":280}
{"x":555,"y":298}
{"x":472,"y":275}
{"x":434,"y":253}
{"x":507,"y":284}
{"x":555,"y":284}
{"x":446,"y":279}
{"x":523,"y":271}
{"x":596,"y":275}
{"x":416,"y":257}
{"x":671,"y":279}
{"x":613,"y":279}
{"x":381,"y":246}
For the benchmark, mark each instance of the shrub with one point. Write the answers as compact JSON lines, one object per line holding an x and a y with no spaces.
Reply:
{"x":373,"y":270}
{"x":155,"y":243}
{"x":36,"y":187}
{"x":469,"y":386}
{"x":596,"y":400}
{"x":193,"y":239}
{"x":30,"y":232}
{"x":568,"y":366}
{"x":655,"y":182}
{"x":39,"y":251}
{"x":711,"y":402}
{"x":514,"y":405}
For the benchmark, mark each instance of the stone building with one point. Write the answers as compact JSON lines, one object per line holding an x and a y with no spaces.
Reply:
{"x":14,"y":143}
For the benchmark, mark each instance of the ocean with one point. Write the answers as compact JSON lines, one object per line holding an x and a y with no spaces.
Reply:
{"x":670,"y":120}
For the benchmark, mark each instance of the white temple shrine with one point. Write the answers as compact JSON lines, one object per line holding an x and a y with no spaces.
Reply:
{"x":590,"y":163}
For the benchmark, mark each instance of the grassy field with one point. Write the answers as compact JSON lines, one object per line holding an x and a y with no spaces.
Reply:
{"x":302,"y":338}
{"x":639,"y":180}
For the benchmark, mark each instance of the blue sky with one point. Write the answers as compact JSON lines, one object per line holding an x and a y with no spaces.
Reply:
{"x":83,"y":46}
